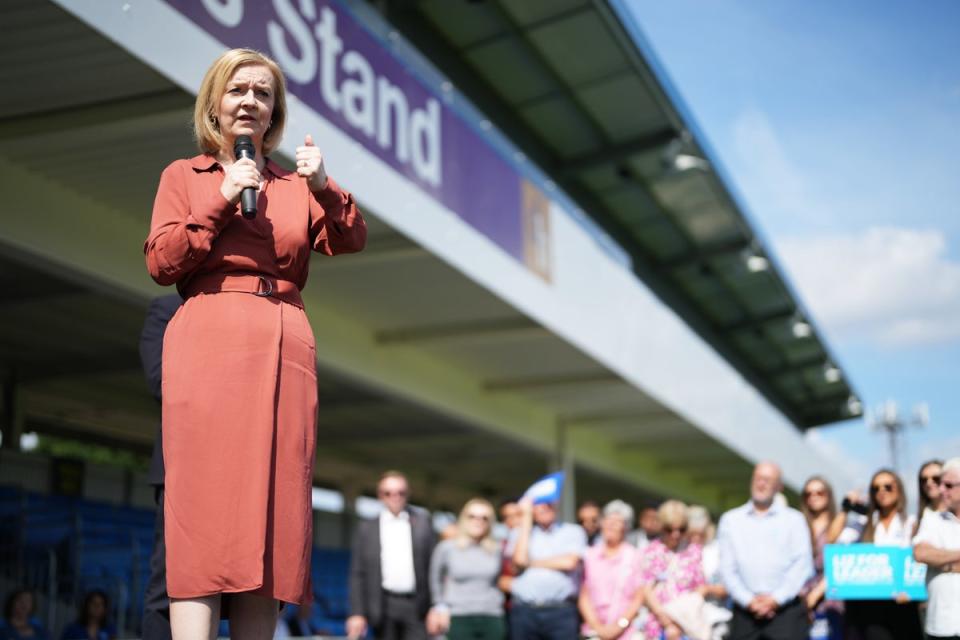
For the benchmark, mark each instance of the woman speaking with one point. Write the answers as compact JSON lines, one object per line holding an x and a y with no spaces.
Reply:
{"x":239,"y":376}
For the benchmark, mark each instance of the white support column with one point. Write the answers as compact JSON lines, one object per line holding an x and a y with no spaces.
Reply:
{"x":564,"y":461}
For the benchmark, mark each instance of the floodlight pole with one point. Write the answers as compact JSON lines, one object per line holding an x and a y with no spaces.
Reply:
{"x":887,"y":418}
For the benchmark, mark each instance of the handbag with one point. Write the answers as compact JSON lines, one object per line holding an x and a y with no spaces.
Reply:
{"x":688,"y":611}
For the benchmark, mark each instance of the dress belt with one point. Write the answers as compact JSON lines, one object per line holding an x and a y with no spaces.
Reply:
{"x":257,"y":284}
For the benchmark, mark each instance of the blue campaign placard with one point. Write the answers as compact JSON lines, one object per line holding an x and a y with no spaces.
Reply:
{"x":869,"y":572}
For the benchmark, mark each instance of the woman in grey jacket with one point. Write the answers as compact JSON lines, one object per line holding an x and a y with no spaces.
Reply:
{"x":467,"y":605}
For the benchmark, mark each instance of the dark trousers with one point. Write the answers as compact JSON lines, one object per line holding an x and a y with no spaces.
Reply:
{"x":882,"y":620}
{"x":476,"y":628}
{"x":789,"y":623}
{"x":156,"y":604}
{"x":557,"y":622}
{"x":401,"y":619}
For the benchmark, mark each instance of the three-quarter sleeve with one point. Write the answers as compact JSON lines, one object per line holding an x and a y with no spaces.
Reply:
{"x":182,"y":230}
{"x":336,"y":224}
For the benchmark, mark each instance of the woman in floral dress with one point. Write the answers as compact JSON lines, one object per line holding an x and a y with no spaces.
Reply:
{"x":669,"y":568}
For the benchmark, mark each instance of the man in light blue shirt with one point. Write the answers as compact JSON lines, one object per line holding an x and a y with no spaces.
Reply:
{"x":765,"y":559}
{"x":547,"y":555}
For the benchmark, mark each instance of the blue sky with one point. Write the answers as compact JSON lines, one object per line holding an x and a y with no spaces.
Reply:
{"x":839,"y":126}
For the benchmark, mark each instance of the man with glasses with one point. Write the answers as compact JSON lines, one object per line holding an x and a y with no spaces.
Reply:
{"x":546,"y":555}
{"x":389,"y":567}
{"x":765,"y":559}
{"x":937,"y":544}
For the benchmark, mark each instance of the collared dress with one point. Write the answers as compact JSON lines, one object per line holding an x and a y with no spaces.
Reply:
{"x":239,"y":377}
{"x":611,"y":582}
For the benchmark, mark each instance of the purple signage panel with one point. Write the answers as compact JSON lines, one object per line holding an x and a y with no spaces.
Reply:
{"x":348,"y":76}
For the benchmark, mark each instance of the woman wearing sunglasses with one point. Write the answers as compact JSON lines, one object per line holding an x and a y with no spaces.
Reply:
{"x":463,"y":579}
{"x":887,"y":524}
{"x":669,"y":569}
{"x":928,"y":489}
{"x":819,"y":509}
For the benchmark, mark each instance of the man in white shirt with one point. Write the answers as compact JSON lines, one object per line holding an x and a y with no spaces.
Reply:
{"x":389,"y":567}
{"x":937,"y":545}
{"x":765,"y":559}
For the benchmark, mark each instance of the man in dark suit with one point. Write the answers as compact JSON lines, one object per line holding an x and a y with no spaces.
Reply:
{"x":389,"y":588}
{"x":156,"y":604}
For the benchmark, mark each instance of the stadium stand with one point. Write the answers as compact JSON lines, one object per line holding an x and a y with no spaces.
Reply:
{"x":63,"y":547}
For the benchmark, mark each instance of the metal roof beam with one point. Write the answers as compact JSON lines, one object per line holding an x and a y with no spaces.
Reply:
{"x":109,"y":112}
{"x":797,"y":366}
{"x":59,"y":292}
{"x":555,"y":78}
{"x":728,"y":477}
{"x":568,"y":90}
{"x":612,"y":417}
{"x":129,"y":440}
{"x":616,"y":154}
{"x":484,"y":330}
{"x":702,"y":255}
{"x":525,"y":383}
{"x":67,"y":367}
{"x":514,"y":31}
{"x":685,"y":455}
{"x":759,"y":321}
{"x":681,"y":438}
{"x":379,"y":253}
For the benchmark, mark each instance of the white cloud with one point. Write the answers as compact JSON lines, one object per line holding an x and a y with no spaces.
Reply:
{"x":891,"y":285}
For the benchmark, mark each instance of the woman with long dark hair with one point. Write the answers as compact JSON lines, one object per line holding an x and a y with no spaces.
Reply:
{"x":887,"y":524}
{"x":819,"y":508}
{"x":928,"y":488}
{"x":93,"y":619}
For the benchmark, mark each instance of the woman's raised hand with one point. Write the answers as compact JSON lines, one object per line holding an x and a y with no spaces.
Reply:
{"x":310,"y":165}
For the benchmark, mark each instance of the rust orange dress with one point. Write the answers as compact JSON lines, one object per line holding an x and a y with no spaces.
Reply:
{"x":239,"y":376}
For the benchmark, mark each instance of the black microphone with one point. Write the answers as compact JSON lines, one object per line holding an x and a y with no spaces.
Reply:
{"x":243,"y":148}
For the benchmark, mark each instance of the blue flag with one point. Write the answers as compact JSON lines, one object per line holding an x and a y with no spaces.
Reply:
{"x":546,"y":489}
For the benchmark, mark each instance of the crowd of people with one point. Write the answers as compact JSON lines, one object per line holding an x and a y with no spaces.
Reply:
{"x":92,"y":621}
{"x":758,"y":574}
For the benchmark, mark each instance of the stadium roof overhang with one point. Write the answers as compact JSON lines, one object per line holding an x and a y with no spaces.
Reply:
{"x":446,"y":379}
{"x":574,"y":84}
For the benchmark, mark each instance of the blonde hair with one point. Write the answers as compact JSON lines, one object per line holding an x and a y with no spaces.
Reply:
{"x":672,"y":512}
{"x":463,"y":539}
{"x":206,"y":126}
